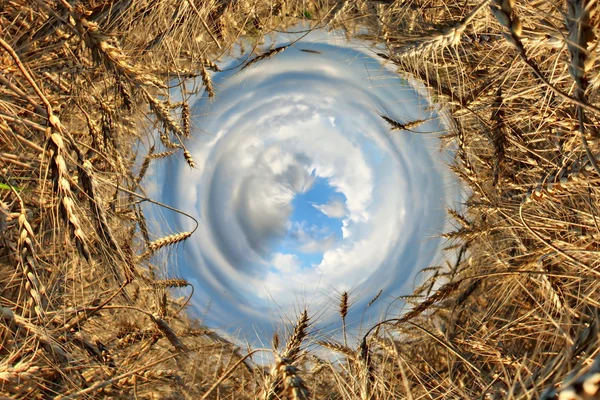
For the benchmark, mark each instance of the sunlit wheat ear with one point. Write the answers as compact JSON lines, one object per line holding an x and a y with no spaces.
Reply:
{"x":207,"y":81}
{"x":266,"y":55}
{"x":286,"y":381}
{"x":162,"y":113}
{"x":460,"y":218}
{"x":164,"y":242}
{"x":293,"y":344}
{"x":168,"y":143}
{"x":448,"y":36}
{"x":87,"y":181}
{"x":467,"y":168}
{"x":211,"y":65}
{"x":292,"y":347}
{"x":553,"y":293}
{"x":338,"y":348}
{"x":188,"y":158}
{"x":26,"y":259}
{"x":441,"y":294}
{"x":107,"y":50}
{"x":145,"y":165}
{"x":22,"y":370}
{"x":464,"y":235}
{"x":163,"y":154}
{"x":62,"y":186}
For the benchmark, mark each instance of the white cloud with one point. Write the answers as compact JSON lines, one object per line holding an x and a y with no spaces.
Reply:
{"x":334,"y":209}
{"x":318,"y":245}
{"x":288,"y":264}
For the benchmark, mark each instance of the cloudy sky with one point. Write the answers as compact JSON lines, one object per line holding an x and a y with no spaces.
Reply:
{"x":302,"y":191}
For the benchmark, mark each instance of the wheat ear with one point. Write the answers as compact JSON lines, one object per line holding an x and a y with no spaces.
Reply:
{"x":449,"y":36}
{"x":185,"y":119}
{"x":210,"y":64}
{"x":107,"y":50}
{"x":163,"y":154}
{"x":399,"y":126}
{"x":282,"y":378}
{"x":343,"y":313}
{"x":268,"y":54}
{"x":164,"y":242}
{"x":162,"y":113}
{"x":207,"y":81}
{"x":62,"y":186}
{"x":26,"y":259}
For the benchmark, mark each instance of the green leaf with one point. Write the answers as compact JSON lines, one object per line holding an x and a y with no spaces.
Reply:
{"x":4,"y":186}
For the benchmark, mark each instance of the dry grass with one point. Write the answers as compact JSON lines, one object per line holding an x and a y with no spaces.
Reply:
{"x":85,"y":315}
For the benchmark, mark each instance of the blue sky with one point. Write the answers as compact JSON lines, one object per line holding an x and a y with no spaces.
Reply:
{"x":307,"y":219}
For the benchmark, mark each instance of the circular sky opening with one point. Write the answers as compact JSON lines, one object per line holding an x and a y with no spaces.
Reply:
{"x":319,"y":170}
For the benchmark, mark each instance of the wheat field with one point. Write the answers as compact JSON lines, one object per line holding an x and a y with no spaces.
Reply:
{"x":85,"y":312}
